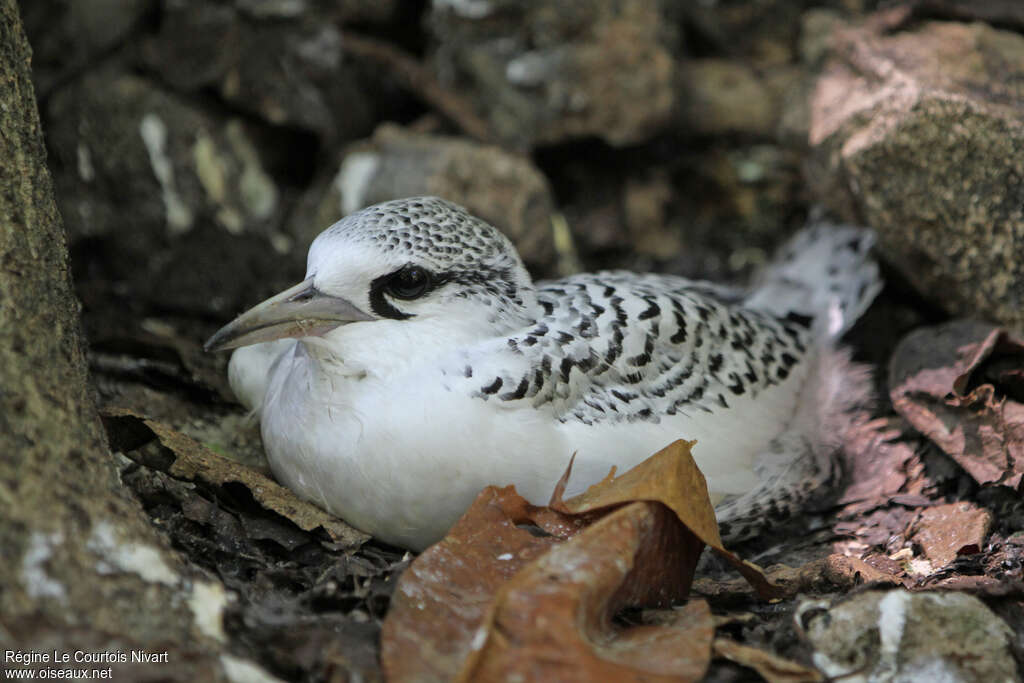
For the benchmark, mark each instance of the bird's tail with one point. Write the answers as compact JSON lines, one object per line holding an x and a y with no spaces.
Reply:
{"x":824,"y":272}
{"x":799,"y":466}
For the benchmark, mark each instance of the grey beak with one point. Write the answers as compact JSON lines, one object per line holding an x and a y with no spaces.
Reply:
{"x":300,"y":311}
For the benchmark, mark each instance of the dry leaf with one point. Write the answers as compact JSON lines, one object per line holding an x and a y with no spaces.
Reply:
{"x":672,"y":478}
{"x":833,"y":573}
{"x":497,"y":600}
{"x":553,"y":619}
{"x":960,"y":385}
{"x":772,"y":668}
{"x":877,"y":467}
{"x":945,"y":532}
{"x":189,"y":460}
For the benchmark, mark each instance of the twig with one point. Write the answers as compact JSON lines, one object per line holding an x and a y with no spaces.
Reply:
{"x":412,"y":75}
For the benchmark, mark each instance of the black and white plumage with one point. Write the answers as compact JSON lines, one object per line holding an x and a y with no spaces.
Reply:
{"x":418,"y":363}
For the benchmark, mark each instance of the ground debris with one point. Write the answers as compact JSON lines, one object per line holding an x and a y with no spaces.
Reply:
{"x":960,"y":384}
{"x":772,"y":668}
{"x":307,"y":594}
{"x":186,"y":459}
{"x":521,"y":590}
{"x":946,"y":532}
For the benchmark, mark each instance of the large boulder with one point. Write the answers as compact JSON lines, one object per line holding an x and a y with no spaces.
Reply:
{"x":163,"y":200}
{"x":920,"y":133}
{"x":281,"y":61}
{"x":502,"y":188}
{"x":543,"y":73}
{"x":71,"y":35}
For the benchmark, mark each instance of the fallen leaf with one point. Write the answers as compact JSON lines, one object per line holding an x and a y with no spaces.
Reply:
{"x":553,"y":619}
{"x":956,"y":384}
{"x":672,"y":478}
{"x":186,"y":459}
{"x":877,"y":466}
{"x":522,"y":591}
{"x":828,"y":574}
{"x":946,"y":532}
{"x":772,"y":668}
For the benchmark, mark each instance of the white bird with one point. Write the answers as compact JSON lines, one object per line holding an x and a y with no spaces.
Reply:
{"x":418,"y":363}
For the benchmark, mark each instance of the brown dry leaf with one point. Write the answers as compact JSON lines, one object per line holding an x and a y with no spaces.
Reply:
{"x":672,"y":478}
{"x":945,"y":532}
{"x":192,"y":461}
{"x":441,"y":601}
{"x":828,"y":574}
{"x":494,"y":600}
{"x":772,"y":668}
{"x":877,"y":466}
{"x":553,"y":619}
{"x":960,"y":385}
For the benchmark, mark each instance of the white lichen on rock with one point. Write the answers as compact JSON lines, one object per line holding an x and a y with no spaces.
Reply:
{"x":240,"y":670}
{"x":353,"y":180}
{"x":128,"y":556}
{"x":207,"y":602}
{"x":38,"y":583}
{"x":154,"y":135}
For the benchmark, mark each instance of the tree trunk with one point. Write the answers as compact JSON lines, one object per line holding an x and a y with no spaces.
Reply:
{"x":82,"y":566}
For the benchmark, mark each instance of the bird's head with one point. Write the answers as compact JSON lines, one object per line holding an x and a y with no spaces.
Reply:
{"x":413,"y":260}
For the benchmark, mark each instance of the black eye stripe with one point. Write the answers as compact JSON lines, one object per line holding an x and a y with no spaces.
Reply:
{"x":496,"y":283}
{"x":408,"y":282}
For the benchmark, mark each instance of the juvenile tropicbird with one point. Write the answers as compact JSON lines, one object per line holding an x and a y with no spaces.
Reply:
{"x":418,"y":363}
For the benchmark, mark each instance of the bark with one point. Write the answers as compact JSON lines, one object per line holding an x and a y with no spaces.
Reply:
{"x":83,"y":567}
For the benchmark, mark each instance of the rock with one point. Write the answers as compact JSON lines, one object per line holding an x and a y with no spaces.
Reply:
{"x":84,"y":570}
{"x":125,"y":147}
{"x":816,"y":27}
{"x":720,"y":96}
{"x":901,"y":636}
{"x":341,"y":11}
{"x":762,"y":34}
{"x":66,"y":35}
{"x":946,"y":532}
{"x":282,"y":61}
{"x":503,"y":189}
{"x":138,"y":170}
{"x":548,"y":72}
{"x":921,"y":135}
{"x":646,"y":200}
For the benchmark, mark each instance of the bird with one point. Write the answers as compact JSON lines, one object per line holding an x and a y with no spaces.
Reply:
{"x":418,"y":363}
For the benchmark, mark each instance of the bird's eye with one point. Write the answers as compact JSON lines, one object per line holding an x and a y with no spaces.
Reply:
{"x":411,"y":282}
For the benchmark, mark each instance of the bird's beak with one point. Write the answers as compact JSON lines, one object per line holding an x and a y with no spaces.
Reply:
{"x":300,"y":311}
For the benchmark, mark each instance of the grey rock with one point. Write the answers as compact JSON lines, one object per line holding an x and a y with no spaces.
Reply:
{"x":124,"y":147}
{"x":503,"y":189}
{"x":901,"y":636}
{"x":920,"y":134}
{"x":67,"y":35}
{"x":178,"y":195}
{"x":84,"y":568}
{"x":282,"y":61}
{"x":543,"y":73}
{"x":720,"y":96}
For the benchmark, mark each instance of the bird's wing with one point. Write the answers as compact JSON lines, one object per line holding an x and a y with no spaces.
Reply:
{"x":623,"y":346}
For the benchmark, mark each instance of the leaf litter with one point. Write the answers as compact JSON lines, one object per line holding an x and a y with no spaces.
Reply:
{"x":522,"y":591}
{"x":910,"y":513}
{"x":962,"y":386}
{"x":307,"y":592}
{"x":189,"y":460}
